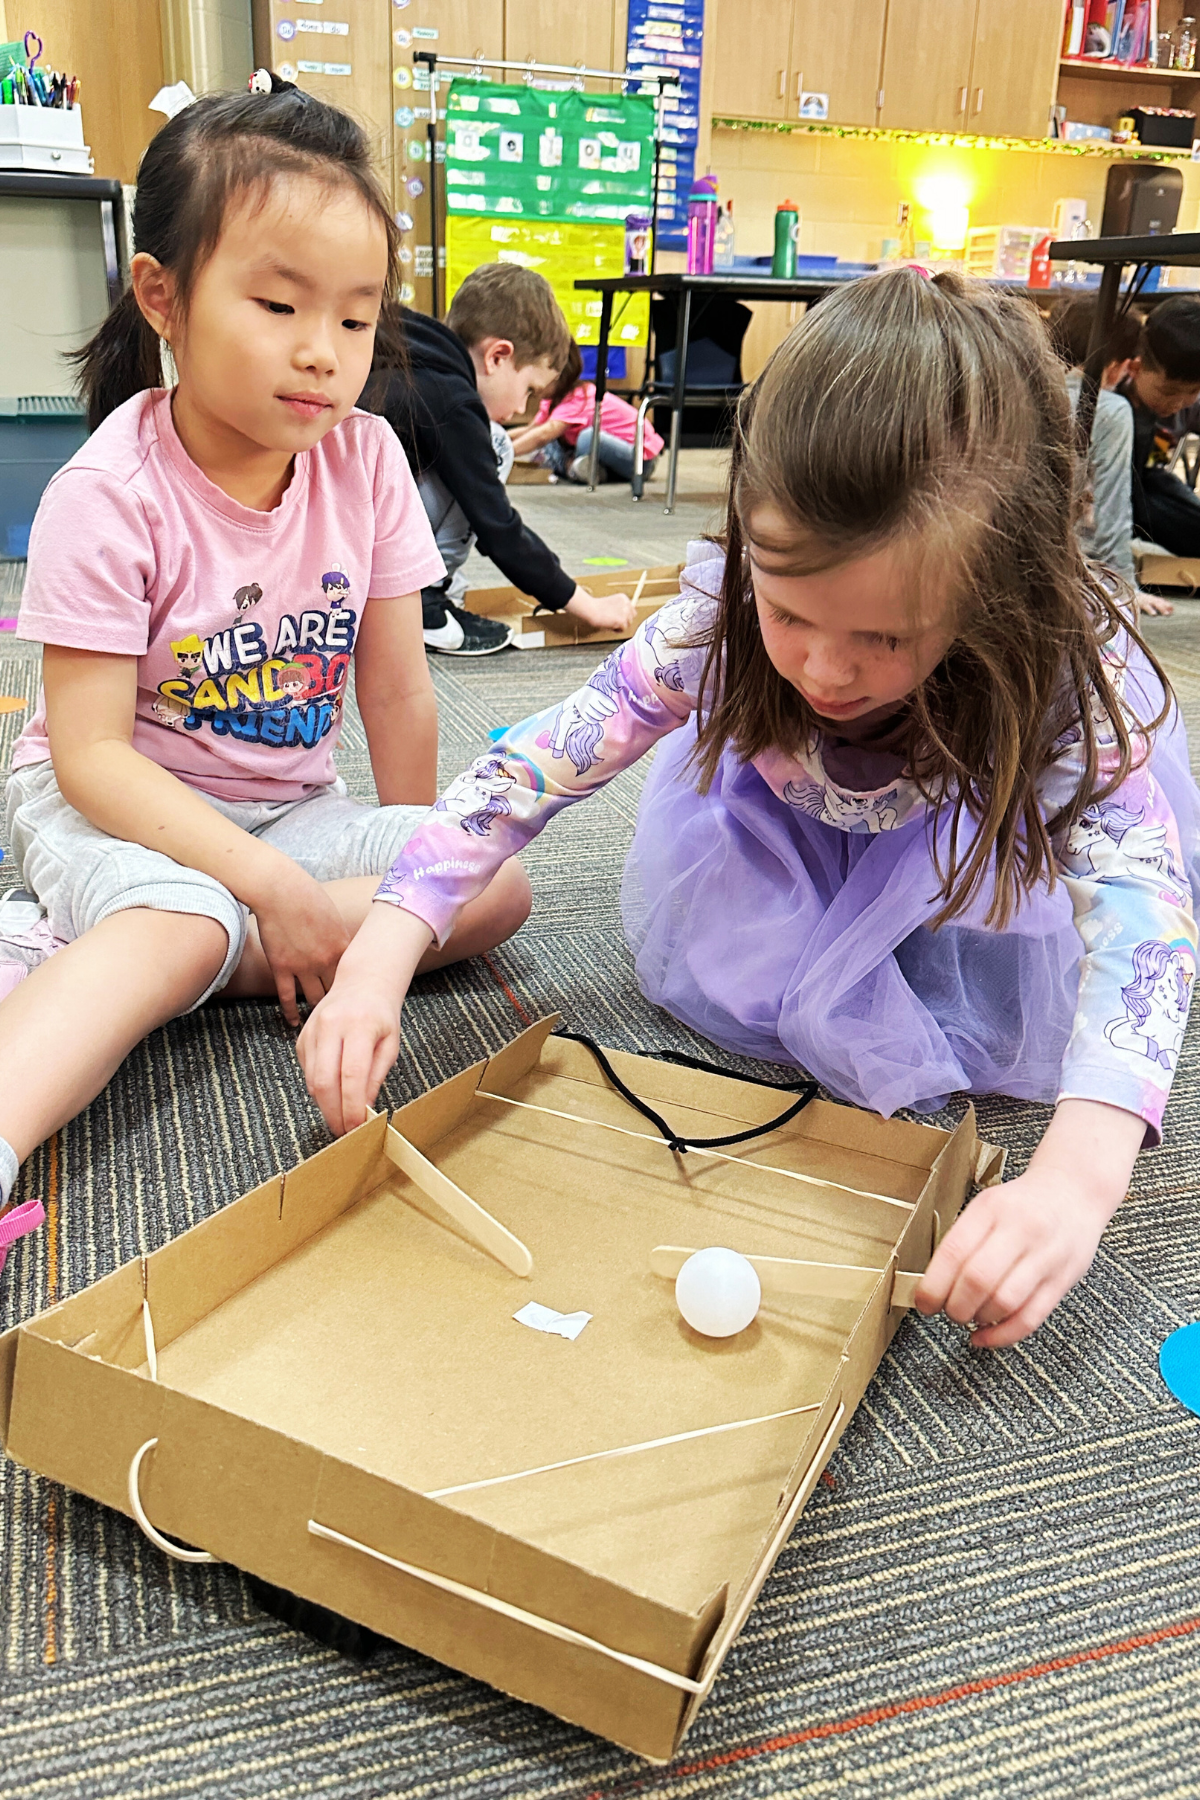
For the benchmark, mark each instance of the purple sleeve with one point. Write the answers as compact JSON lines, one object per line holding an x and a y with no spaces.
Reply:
{"x":646,"y":688}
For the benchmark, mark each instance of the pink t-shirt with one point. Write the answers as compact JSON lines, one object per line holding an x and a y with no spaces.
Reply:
{"x":242,"y":622}
{"x":617,"y":417}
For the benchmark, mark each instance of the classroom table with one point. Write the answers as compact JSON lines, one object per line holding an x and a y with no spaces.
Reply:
{"x":746,"y":286}
{"x":1174,"y":249}
{"x":23,"y":183}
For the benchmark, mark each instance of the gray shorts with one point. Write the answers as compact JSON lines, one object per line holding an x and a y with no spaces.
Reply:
{"x":81,"y":875}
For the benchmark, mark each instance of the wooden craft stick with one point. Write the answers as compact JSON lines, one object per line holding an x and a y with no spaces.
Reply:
{"x":637,"y":592}
{"x":680,"y":1437}
{"x":648,"y":1137}
{"x":478,"y":1224}
{"x":785,"y":1275}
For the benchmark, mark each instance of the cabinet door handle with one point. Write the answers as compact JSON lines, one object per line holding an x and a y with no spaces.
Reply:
{"x":962,"y":100}
{"x":782,"y":74}
{"x":978,"y":100}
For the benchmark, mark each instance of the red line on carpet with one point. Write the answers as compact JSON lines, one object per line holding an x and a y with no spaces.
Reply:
{"x":522,"y":1013}
{"x":878,"y":1715}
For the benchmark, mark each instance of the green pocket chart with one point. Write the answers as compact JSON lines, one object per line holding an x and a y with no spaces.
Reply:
{"x":547,"y":179}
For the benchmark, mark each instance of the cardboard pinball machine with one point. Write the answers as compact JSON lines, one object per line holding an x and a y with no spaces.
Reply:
{"x":537,"y":630}
{"x":327,"y":1383}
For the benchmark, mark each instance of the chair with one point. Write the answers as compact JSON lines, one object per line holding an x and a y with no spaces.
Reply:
{"x":713,"y":375}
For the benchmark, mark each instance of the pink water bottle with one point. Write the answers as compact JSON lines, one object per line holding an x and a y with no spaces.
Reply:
{"x":701,"y":225}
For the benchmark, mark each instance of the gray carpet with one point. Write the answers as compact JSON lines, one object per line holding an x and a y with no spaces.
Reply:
{"x":994,"y":1590}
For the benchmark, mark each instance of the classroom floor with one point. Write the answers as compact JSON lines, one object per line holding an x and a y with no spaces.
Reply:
{"x":993,"y":1590}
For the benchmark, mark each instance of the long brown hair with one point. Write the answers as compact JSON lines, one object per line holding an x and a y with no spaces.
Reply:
{"x":215,"y":151}
{"x":931,"y":414}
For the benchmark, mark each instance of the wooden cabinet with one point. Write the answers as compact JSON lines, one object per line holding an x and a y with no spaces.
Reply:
{"x":749,"y":43}
{"x":985,"y":66}
{"x":592,"y":34}
{"x":1015,"y":67}
{"x":835,"y":50}
{"x":926,"y":79}
{"x":766,"y":53}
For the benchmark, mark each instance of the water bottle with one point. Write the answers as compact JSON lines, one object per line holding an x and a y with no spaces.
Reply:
{"x":787,"y":221}
{"x":723,"y":244}
{"x":701,"y":225}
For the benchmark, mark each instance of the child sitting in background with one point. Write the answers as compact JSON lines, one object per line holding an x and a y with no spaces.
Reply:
{"x":504,"y":339}
{"x":201,"y":573}
{"x":562,"y":431}
{"x":920,"y":817}
{"x":1106,"y":525}
{"x":1163,"y":388}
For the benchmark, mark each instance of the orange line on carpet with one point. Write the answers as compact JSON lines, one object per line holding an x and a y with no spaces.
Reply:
{"x":521,"y":1012}
{"x":50,"y":1649}
{"x":878,"y":1715}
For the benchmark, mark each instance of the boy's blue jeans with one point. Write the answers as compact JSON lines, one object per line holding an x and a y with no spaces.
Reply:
{"x":615,"y":455}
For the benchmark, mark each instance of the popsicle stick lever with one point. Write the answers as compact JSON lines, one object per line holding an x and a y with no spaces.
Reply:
{"x":785,"y":1275}
{"x":478,"y":1225}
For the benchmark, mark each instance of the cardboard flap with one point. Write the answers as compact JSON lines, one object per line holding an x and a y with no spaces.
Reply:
{"x":8,"y":1370}
{"x":425,"y":1120}
{"x":509,"y":1065}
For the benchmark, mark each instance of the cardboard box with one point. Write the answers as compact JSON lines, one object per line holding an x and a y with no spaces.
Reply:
{"x":324,"y":1383}
{"x":1158,"y":570}
{"x":537,"y":630}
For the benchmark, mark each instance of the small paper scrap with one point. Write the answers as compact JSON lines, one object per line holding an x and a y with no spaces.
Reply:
{"x":544,"y":1318}
{"x":606,"y":562}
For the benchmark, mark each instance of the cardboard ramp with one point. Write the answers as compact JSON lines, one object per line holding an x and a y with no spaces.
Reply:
{"x":325,"y":1384}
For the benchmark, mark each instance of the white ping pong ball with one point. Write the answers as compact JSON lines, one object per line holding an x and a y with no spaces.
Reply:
{"x":718,"y":1292}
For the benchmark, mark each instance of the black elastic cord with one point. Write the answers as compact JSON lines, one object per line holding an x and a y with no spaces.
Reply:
{"x":806,"y":1090}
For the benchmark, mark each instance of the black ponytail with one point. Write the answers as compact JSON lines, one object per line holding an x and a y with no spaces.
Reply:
{"x":206,"y":156}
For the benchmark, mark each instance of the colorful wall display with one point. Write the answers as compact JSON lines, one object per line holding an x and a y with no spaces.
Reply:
{"x":669,"y":34}
{"x":547,"y":179}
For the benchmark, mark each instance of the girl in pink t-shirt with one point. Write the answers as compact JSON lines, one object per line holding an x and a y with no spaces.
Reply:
{"x":561,"y":433}
{"x":201,"y":575}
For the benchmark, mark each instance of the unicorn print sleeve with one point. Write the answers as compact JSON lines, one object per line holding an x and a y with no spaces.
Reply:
{"x":1124,"y":869}
{"x":645,"y":689}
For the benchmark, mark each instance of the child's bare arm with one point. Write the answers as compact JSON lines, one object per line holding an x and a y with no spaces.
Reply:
{"x":396,"y":701}
{"x":532,"y":437}
{"x":90,"y":701}
{"x":1020,"y":1247}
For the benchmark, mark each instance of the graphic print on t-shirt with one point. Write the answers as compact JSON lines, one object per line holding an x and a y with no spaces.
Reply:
{"x":284,"y":690}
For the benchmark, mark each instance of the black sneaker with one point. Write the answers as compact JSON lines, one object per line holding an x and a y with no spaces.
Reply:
{"x":462,"y":633}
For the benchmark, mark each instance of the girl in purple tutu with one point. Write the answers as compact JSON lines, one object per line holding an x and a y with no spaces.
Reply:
{"x":921,"y":818}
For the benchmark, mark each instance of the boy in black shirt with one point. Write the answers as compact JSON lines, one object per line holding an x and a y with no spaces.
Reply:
{"x":1163,"y":388}
{"x":504,"y":339}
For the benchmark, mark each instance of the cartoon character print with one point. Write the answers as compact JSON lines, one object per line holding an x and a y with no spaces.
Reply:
{"x":169,"y":711}
{"x":189,"y":656}
{"x":676,"y":627}
{"x":292,"y":682}
{"x":479,"y":795}
{"x":335,"y":586}
{"x":1109,"y":837}
{"x":1156,"y":1004}
{"x":578,"y":727}
{"x":858,"y":813}
{"x":247,"y":596}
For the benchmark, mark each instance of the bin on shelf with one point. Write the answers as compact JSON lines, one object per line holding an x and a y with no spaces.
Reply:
{"x":38,"y":434}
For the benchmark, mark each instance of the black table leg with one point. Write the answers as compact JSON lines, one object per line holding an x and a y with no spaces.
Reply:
{"x":606,"y":302}
{"x":683,"y":321}
{"x":1097,"y":356}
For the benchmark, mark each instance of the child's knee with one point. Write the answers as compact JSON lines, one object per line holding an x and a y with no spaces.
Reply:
{"x":193,"y":947}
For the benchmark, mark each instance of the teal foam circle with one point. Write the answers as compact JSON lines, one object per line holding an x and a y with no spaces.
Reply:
{"x":1179,"y":1365}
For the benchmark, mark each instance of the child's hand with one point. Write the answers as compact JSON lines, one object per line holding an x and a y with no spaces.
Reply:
{"x":1019,"y":1247}
{"x":352,"y":1038}
{"x":346,"y":1048}
{"x":303,"y":937}
{"x":1012,"y":1256}
{"x":603,"y":612}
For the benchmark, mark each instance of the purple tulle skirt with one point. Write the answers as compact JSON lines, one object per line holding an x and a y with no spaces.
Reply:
{"x":781,"y":937}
